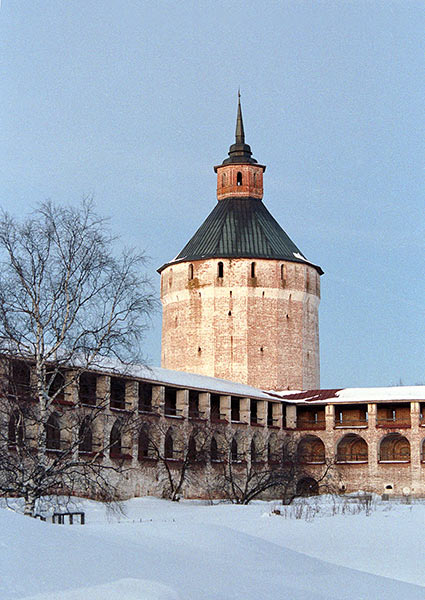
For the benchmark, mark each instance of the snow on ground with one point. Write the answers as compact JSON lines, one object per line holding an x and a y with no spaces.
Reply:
{"x":161,"y":550}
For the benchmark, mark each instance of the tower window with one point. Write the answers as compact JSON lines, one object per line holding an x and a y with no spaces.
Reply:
{"x":253,"y":269}
{"x":220,"y":270}
{"x":283,"y":273}
{"x":255,"y":179}
{"x":190,"y":271}
{"x":223,"y":179}
{"x":239,"y":178}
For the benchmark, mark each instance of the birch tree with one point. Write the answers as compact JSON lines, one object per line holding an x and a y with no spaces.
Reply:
{"x":67,"y":300}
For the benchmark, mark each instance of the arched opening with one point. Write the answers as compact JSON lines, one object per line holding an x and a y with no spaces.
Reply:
{"x":234,"y":456}
{"x":192,"y":453}
{"x":115,"y":440}
{"x":220,"y":270}
{"x":254,"y":451}
{"x":252,"y":270}
{"x":351,"y":449}
{"x":53,"y":434}
{"x":85,"y":436}
{"x":239,"y":178}
{"x":169,"y":445}
{"x":307,"y":486}
{"x":143,"y":444}
{"x":311,"y":450}
{"x":394,"y":448}
{"x":15,"y":434}
{"x":255,"y":180}
{"x":273,"y":449}
{"x":223,"y":179}
{"x":214,"y":450}
{"x":190,"y":271}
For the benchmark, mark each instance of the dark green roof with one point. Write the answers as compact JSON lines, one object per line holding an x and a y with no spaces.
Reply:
{"x":240,"y":228}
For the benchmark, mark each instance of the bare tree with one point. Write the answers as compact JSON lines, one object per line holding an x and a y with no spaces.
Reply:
{"x":180,"y":453}
{"x":66,"y":301}
{"x":268,"y":465}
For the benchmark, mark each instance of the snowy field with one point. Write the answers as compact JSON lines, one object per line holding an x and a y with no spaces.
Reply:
{"x":160,"y":550}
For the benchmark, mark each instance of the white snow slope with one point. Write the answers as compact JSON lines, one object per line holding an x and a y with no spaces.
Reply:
{"x":165,"y":551}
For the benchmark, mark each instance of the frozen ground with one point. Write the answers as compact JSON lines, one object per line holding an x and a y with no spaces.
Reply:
{"x":161,"y":550}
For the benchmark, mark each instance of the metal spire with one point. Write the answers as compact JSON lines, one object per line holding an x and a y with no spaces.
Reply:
{"x":240,"y":134}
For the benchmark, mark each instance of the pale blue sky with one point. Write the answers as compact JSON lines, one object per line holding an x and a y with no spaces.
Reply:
{"x":135,"y":101}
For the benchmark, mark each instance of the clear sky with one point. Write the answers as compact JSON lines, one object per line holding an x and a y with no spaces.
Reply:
{"x":134,"y":102}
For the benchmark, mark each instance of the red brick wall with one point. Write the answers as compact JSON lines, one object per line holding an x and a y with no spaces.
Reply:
{"x":262,"y":331}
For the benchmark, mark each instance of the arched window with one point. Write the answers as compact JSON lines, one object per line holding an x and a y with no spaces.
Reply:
{"x":255,"y":179}
{"x":16,"y":429}
{"x":191,"y":449}
{"x":253,"y":269}
{"x":311,"y":450}
{"x":85,"y":436}
{"x":190,"y":271}
{"x":254,"y":452}
{"x":352,"y":448}
{"x":170,"y":279}
{"x":214,"y":450}
{"x":239,"y":178}
{"x":53,"y":433}
{"x":394,"y":448}
{"x":283,"y":273}
{"x":143,"y":449}
{"x":234,"y":457}
{"x":223,"y":179}
{"x":307,"y":280}
{"x":220,"y":270}
{"x":169,"y":445}
{"x":115,"y":439}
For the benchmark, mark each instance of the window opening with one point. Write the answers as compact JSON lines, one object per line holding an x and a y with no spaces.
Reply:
{"x":85,"y":436}
{"x":253,"y":269}
{"x":191,"y":271}
{"x":117,"y":393}
{"x":170,"y":406}
{"x":145,"y":396}
{"x":87,"y":389}
{"x":239,"y":178}
{"x":115,"y":441}
{"x":235,"y":410}
{"x":220,"y":270}
{"x":169,"y":445}
{"x":53,"y":435}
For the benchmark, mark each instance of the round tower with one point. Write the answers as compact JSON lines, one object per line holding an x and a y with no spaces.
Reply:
{"x":240,"y":301}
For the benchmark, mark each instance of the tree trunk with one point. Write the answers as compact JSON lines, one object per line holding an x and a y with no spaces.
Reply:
{"x":30,"y":501}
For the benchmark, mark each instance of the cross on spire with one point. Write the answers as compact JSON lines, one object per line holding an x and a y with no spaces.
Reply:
{"x":240,"y":134}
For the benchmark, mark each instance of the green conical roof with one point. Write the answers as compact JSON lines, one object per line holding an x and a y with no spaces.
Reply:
{"x":240,"y":228}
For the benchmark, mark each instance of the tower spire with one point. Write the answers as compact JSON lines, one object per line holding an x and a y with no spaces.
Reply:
{"x":240,"y":134}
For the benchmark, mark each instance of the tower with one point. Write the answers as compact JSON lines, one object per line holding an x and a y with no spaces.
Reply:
{"x":241,"y":301}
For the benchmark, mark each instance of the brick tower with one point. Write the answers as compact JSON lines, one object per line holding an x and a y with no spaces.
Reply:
{"x":241,"y":301}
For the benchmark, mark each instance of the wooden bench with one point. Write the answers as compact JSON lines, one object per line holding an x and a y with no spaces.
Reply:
{"x":60,"y":517}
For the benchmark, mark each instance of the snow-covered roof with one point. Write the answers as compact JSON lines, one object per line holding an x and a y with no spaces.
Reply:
{"x":182,"y":379}
{"x":353,"y":395}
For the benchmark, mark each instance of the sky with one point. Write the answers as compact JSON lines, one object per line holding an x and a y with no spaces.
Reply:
{"x":134,"y":102}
